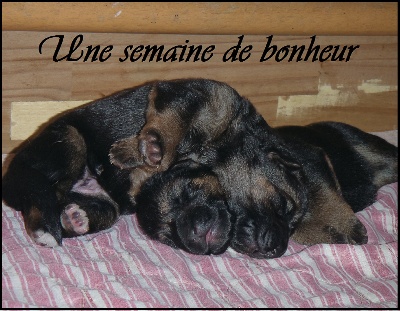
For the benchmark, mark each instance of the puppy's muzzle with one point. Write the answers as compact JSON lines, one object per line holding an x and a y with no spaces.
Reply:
{"x":261,"y":238}
{"x":272,"y":242}
{"x":204,"y":230}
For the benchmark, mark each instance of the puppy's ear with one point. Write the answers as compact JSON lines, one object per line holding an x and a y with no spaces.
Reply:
{"x":284,"y":161}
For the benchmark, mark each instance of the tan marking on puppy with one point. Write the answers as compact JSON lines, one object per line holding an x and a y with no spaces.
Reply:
{"x":209,"y":183}
{"x":328,"y":161}
{"x":125,"y":152}
{"x":75,"y":157}
{"x":219,"y":109}
{"x":32,"y":221}
{"x":328,"y":217}
{"x":165,"y":204}
{"x":33,"y":226}
{"x":261,"y":190}
{"x":386,"y":171}
{"x":167,"y":124}
{"x":239,"y":184}
{"x":246,"y":184}
{"x":137,"y":177}
{"x":164,"y":199}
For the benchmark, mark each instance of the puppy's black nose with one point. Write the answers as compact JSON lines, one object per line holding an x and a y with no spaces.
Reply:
{"x":202,"y":222}
{"x":271,"y":242}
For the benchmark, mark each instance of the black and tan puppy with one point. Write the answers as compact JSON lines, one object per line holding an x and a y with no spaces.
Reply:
{"x":62,"y":180}
{"x":344,"y":168}
{"x":185,"y":208}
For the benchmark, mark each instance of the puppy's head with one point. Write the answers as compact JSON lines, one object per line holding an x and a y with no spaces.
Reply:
{"x":265,"y":233}
{"x":270,"y":211}
{"x":185,"y":209}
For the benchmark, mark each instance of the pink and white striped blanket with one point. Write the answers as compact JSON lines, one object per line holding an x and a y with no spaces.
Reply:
{"x":121,"y":268}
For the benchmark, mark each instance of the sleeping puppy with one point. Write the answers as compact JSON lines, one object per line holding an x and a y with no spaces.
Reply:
{"x":185,"y":208}
{"x":183,"y":118}
{"x":64,"y":184}
{"x":61,"y":178}
{"x":344,"y":168}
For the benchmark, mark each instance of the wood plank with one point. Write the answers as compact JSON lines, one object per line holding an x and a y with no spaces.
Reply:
{"x":22,"y":123}
{"x":260,"y":18}
{"x":362,"y":91}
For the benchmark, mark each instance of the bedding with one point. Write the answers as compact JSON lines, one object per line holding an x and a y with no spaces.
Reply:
{"x":122,"y":268}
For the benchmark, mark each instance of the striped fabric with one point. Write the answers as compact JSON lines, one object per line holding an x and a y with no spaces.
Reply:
{"x":121,"y":268}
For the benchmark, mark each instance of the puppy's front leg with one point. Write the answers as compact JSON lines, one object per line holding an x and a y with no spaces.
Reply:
{"x":134,"y":151}
{"x":331,"y":221}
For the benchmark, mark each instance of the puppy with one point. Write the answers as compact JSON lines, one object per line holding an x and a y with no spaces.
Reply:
{"x":61,"y":178}
{"x":344,"y":168}
{"x":185,"y":208}
{"x":183,"y":118}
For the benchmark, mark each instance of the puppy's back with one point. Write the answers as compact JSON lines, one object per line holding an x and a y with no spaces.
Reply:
{"x":362,"y":162}
{"x":381,"y":156}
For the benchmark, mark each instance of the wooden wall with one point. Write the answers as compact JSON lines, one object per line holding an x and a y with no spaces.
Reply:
{"x":256,"y":18}
{"x":362,"y":91}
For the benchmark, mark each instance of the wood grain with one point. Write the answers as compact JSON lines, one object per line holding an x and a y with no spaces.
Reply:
{"x":362,"y":92}
{"x":258,"y":18}
{"x":24,"y":125}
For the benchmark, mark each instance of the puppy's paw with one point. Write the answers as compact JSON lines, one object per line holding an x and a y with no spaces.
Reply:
{"x":125,"y":153}
{"x":43,"y":238}
{"x":353,"y":232}
{"x":74,"y":220}
{"x":359,"y":233}
{"x":150,"y":148}
{"x":137,"y":150}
